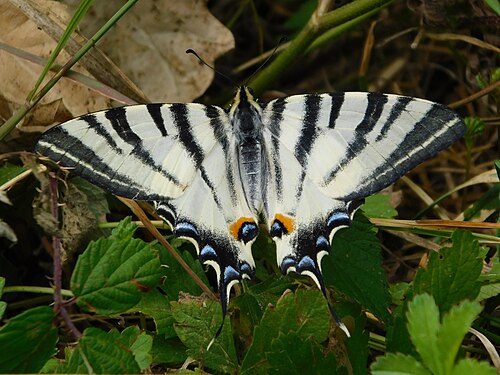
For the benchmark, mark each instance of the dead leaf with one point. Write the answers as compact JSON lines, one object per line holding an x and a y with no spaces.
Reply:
{"x":17,"y":76}
{"x":149,"y":44}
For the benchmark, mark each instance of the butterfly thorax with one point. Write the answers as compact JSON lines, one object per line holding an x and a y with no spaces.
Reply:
{"x":246,"y":120}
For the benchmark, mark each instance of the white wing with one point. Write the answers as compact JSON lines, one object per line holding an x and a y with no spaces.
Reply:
{"x":328,"y":152}
{"x":182,"y":156}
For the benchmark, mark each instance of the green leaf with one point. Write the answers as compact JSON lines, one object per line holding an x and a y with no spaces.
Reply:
{"x":125,"y":229}
{"x":197,"y":322}
{"x":176,"y":278}
{"x":398,"y":338}
{"x":470,"y":366}
{"x":141,"y":344}
{"x":3,"y":305}
{"x":423,"y":325}
{"x":157,"y":306}
{"x":8,"y":171}
{"x":452,"y":274}
{"x":495,"y":5}
{"x":355,"y":267}
{"x":111,"y":275}
{"x":490,"y":281}
{"x":102,"y":352}
{"x":27,"y":341}
{"x":292,"y":354}
{"x":170,"y":353}
{"x":398,"y":364}
{"x":304,"y":312}
{"x":454,"y":326}
{"x":438,"y":343}
{"x":379,"y":206}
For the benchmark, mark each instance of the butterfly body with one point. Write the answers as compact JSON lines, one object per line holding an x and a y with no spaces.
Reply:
{"x":305,"y":163}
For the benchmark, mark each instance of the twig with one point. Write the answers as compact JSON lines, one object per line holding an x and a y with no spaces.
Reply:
{"x":56,"y":245}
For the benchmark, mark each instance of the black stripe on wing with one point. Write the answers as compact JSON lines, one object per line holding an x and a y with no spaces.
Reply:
{"x":423,"y":142}
{"x":276,"y":120}
{"x":86,"y":163}
{"x":307,"y":137}
{"x":337,"y":101}
{"x":213,"y":113}
{"x":376,"y":103}
{"x":157,"y":117}
{"x":180,"y":115}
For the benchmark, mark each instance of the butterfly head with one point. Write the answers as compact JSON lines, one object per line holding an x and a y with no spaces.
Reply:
{"x":245,"y":114}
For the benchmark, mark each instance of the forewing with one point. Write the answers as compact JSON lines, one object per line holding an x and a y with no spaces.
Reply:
{"x":182,"y":156}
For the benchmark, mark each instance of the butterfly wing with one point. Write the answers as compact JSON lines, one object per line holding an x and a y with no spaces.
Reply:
{"x":328,"y":152}
{"x":181,"y":156}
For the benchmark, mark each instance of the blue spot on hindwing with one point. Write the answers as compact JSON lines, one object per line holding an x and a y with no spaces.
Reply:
{"x":230,"y":274}
{"x":286,"y":264}
{"x":306,"y":263}
{"x":322,"y":243}
{"x":208,"y":253}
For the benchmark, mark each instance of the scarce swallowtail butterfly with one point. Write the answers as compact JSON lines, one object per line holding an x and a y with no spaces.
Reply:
{"x":304,"y":163}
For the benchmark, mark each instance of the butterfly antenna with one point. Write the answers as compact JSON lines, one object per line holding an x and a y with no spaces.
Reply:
{"x":193,"y":52}
{"x":280,"y":42}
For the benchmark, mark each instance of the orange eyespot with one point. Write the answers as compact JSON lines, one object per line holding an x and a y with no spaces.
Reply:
{"x":287,"y":221}
{"x":236,"y":227}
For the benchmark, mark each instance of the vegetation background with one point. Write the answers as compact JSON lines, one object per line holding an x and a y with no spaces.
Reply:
{"x":83,"y":288}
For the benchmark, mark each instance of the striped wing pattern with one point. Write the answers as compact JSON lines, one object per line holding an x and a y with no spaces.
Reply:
{"x":329,"y":152}
{"x":321,"y":155}
{"x":166,"y":153}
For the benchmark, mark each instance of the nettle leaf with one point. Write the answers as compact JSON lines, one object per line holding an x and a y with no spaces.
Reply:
{"x":379,"y":205}
{"x":157,"y":306}
{"x":27,"y":341}
{"x":355,"y":267}
{"x":111,"y":275}
{"x":292,"y":354}
{"x":176,"y":278}
{"x":102,"y":352}
{"x":197,"y":321}
{"x":171,"y":352}
{"x":452,"y":274}
{"x":398,"y":364}
{"x":124,"y":230}
{"x":438,"y":343}
{"x":304,"y":312}
{"x":141,"y":344}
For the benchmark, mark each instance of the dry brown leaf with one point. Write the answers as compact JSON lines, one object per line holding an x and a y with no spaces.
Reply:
{"x":149,"y":44}
{"x":17,"y":76}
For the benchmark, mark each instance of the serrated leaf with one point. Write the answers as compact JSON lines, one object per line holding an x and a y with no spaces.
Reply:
{"x":27,"y":341}
{"x":438,"y":343}
{"x":101,"y":352}
{"x":111,"y":275}
{"x":452,"y":274}
{"x":157,"y":306}
{"x":141,"y":344}
{"x":355,"y":267}
{"x":292,"y":354}
{"x":470,"y":366}
{"x":454,"y":326}
{"x":304,"y":312}
{"x":379,"y":206}
{"x":197,"y":322}
{"x":124,"y":230}
{"x":398,"y":364}
{"x":176,"y":278}
{"x":170,"y":353}
{"x":423,"y":326}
